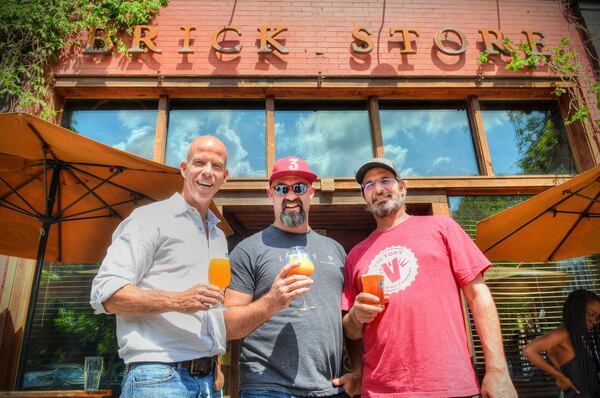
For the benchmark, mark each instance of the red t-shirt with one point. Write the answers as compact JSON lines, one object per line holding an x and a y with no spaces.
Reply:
{"x":418,"y":346}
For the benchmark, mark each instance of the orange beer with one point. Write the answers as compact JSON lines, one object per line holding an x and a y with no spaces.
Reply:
{"x":306,"y":266}
{"x":219,"y":272}
{"x":373,"y":284}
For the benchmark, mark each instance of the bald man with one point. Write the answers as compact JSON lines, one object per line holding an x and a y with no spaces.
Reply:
{"x":155,"y":279}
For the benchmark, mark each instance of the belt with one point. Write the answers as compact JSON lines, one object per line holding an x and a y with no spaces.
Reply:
{"x":198,"y":366}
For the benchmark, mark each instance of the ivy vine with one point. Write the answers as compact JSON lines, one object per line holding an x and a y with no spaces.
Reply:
{"x":564,"y":61}
{"x":34,"y":33}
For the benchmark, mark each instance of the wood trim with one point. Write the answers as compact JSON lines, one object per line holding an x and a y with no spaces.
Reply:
{"x":440,"y":209}
{"x":160,"y":142}
{"x":13,"y":308}
{"x":484,"y":157}
{"x":455,"y":185}
{"x":584,"y":147}
{"x":181,"y":86}
{"x":270,"y":138}
{"x":57,"y":394}
{"x":376,"y":135}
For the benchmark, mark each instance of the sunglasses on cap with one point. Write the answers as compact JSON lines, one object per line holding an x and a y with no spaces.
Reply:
{"x":298,"y":188}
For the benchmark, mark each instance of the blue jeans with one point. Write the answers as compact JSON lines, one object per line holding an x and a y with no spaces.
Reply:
{"x":159,"y":380}
{"x":277,"y":394}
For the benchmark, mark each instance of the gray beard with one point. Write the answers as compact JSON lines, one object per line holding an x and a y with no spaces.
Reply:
{"x":292,"y":219}
{"x":387,"y":208}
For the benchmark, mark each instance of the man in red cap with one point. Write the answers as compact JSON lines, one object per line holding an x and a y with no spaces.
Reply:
{"x":285,"y":352}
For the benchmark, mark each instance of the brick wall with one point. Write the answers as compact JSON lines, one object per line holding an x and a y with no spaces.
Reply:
{"x":319,"y":37}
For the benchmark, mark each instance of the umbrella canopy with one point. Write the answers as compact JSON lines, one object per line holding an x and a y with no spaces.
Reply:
{"x":559,"y":223}
{"x":92,"y":186}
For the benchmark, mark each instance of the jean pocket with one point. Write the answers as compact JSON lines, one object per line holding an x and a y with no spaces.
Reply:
{"x":152,"y":374}
{"x":262,"y":394}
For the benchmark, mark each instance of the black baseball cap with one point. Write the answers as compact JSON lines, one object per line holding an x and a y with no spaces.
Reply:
{"x":375,"y":162}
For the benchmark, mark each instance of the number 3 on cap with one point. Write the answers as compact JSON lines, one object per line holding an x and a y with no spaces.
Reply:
{"x":294,"y":164}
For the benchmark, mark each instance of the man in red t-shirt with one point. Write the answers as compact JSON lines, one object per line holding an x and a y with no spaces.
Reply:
{"x":417,"y":345}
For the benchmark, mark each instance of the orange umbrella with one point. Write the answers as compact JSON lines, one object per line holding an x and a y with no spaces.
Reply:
{"x":62,"y":194}
{"x":559,"y":223}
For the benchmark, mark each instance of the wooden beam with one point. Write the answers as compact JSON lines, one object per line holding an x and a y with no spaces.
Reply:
{"x":160,"y":142}
{"x":376,"y":136}
{"x":128,"y":86}
{"x":451,"y":185}
{"x":479,"y":138}
{"x":270,"y":139}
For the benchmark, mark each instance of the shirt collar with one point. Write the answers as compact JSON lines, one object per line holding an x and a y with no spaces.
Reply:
{"x":180,"y":206}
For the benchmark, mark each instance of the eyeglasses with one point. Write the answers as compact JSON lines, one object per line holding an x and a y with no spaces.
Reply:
{"x":385,"y":182}
{"x":298,"y":188}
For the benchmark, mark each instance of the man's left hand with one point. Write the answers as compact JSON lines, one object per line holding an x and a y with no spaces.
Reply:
{"x":351,"y":383}
{"x":497,"y":384}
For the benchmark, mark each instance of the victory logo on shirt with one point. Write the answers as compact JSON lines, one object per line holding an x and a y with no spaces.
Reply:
{"x":398,"y":264}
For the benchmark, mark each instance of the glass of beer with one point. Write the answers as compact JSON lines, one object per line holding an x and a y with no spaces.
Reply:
{"x":219,"y":274}
{"x":298,"y":254}
{"x":373,"y":284}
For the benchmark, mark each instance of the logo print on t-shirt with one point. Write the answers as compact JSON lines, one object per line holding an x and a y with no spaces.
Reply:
{"x":398,"y":264}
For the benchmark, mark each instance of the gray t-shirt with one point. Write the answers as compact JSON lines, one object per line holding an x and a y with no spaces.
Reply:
{"x":297,"y":353}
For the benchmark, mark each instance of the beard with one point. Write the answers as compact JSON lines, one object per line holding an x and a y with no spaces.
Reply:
{"x":292,"y":219}
{"x":387,"y":206}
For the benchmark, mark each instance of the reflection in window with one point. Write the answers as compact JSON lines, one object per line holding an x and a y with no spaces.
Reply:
{"x":529,"y":296}
{"x":241,"y":125}
{"x":527,"y":138}
{"x":65,"y":331}
{"x":428,"y":139}
{"x":129,"y":125}
{"x":333,"y":137}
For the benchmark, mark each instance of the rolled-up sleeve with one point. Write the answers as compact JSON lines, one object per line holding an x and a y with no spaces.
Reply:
{"x":127,"y":260}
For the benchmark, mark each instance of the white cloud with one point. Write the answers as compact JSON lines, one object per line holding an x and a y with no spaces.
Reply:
{"x":333,"y":143}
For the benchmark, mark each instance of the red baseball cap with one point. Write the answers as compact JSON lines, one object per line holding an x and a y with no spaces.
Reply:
{"x":292,"y":166}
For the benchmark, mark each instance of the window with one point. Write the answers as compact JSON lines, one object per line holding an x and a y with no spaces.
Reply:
{"x":428,"y":138}
{"x":529,"y":296}
{"x":129,"y":125}
{"x":241,"y":125}
{"x":65,"y":331}
{"x":333,"y":137}
{"x":527,"y":138}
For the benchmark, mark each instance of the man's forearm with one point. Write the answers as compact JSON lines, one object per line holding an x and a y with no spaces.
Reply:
{"x":132,"y":301}
{"x":241,"y":320}
{"x":353,"y":329}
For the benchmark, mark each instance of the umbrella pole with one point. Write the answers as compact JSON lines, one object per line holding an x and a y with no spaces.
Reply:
{"x":44,"y":230}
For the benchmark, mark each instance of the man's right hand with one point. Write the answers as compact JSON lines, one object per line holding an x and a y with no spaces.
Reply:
{"x":200,"y":297}
{"x":364,"y":309}
{"x":286,"y":288}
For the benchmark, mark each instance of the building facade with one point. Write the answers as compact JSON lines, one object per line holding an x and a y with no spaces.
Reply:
{"x":335,"y":82}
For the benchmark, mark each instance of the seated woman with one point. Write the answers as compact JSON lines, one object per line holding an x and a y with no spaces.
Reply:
{"x":569,"y":347}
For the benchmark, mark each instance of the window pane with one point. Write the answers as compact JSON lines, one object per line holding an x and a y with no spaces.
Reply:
{"x":428,"y":139}
{"x":527,"y":138}
{"x":241,"y":125}
{"x":65,"y":331}
{"x":129,"y":125}
{"x":529,"y":296}
{"x":333,"y":137}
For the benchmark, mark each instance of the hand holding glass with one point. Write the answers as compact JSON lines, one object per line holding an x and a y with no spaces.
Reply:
{"x":298,"y":254}
{"x":219,"y":274}
{"x":373,"y":284}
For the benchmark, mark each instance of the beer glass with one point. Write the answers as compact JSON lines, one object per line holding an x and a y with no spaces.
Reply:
{"x":298,"y":254}
{"x":92,"y":371}
{"x":219,"y":274}
{"x":373,"y":284}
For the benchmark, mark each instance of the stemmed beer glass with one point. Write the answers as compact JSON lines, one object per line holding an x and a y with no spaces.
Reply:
{"x":219,"y":274}
{"x":298,"y":254}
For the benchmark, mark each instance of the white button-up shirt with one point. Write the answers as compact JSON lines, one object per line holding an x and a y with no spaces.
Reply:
{"x":163,"y":246}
